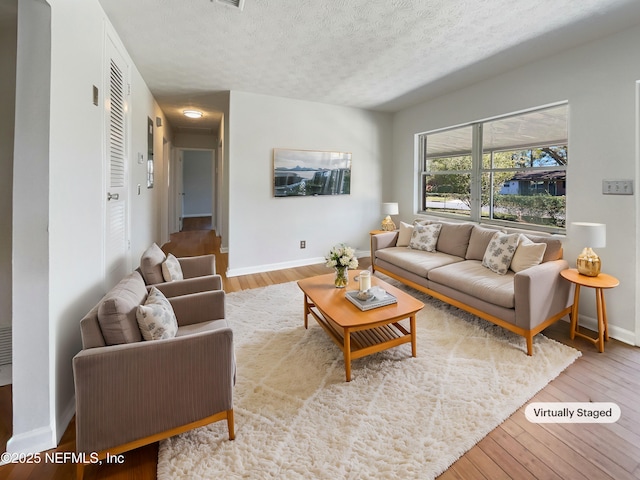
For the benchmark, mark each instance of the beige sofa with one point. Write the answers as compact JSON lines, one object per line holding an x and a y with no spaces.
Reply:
{"x":524,"y":302}
{"x":130,"y":391}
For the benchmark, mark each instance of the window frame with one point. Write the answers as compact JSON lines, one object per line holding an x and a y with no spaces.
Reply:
{"x":478,"y":170}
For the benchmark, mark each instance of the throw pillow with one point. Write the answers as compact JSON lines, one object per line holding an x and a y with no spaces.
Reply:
{"x":528,"y":254}
{"x":404,"y":235}
{"x":479,"y":241}
{"x":500,"y":251}
{"x":425,"y":237}
{"x":171,"y":269}
{"x":117,"y":310}
{"x":454,"y":238}
{"x":151,"y":264}
{"x":156,"y":317}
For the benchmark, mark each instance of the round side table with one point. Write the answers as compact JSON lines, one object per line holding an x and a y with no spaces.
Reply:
{"x":600,"y":283}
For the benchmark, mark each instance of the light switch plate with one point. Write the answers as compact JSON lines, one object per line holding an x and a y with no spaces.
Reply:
{"x":617,"y":187}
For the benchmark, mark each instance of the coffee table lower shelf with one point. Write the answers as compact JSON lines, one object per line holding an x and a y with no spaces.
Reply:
{"x":358,"y":342}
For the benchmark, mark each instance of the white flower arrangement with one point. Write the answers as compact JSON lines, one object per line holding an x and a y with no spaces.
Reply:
{"x":342,"y":256}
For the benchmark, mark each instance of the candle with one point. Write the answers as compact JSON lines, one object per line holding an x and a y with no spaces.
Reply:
{"x":365,"y":280}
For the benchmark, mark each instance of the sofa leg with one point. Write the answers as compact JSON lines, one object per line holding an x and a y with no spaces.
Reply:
{"x":529,"y":338}
{"x":230,"y":425}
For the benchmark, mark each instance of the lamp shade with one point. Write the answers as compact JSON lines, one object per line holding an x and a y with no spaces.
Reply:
{"x":390,"y":208}
{"x":592,"y":235}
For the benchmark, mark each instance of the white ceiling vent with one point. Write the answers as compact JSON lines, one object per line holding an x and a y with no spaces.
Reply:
{"x":239,"y":4}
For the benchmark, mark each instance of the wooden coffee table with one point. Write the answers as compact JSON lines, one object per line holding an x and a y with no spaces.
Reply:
{"x":359,"y":333}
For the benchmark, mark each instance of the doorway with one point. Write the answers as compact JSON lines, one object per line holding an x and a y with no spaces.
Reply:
{"x":195,"y":199}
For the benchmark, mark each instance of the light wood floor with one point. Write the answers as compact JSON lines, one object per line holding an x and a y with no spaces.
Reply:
{"x":516,"y":449}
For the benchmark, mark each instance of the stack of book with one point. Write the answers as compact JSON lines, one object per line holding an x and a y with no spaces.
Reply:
{"x":369,"y":301}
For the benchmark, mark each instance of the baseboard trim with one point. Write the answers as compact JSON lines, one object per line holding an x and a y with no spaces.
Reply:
{"x":33,"y":441}
{"x":621,"y":334}
{"x":65,"y":418}
{"x":197,"y":215}
{"x":236,"y":272}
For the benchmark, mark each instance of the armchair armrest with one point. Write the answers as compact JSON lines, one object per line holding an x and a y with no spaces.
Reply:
{"x":540,"y":293}
{"x":126,"y":392}
{"x":190,"y":285}
{"x":383,"y":240}
{"x":198,"y":307}
{"x":198,"y":266}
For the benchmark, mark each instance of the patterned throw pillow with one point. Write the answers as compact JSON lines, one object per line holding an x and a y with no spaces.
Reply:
{"x":156,"y":317}
{"x":171,"y":269}
{"x":499,"y":253}
{"x":425,"y":237}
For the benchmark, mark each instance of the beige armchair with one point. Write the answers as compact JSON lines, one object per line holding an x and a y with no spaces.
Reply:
{"x":137,"y":392}
{"x":199,"y":273}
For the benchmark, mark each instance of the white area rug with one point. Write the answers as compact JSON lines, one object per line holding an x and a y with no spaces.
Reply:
{"x":399,"y":417}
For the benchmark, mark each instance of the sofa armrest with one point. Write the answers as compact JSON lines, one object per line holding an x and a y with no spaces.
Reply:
{"x":131,"y":391}
{"x":540,"y":293}
{"x":383,"y":240}
{"x":191,"y":285}
{"x":198,"y":266}
{"x":198,"y":307}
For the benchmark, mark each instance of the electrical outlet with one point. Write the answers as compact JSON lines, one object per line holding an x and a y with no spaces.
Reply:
{"x":303,"y":244}
{"x":617,"y":187}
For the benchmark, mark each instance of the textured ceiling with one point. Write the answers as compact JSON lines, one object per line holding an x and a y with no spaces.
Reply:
{"x":375,"y":54}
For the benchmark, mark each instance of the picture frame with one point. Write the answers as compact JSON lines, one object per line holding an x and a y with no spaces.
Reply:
{"x":310,"y":173}
{"x":150,"y":169}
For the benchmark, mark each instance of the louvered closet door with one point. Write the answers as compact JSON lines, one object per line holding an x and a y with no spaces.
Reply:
{"x":116,"y":227}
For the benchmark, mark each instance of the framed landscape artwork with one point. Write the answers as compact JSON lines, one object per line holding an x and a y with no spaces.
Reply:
{"x":308,"y":173}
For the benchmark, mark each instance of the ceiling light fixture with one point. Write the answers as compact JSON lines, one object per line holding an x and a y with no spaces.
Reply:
{"x":239,"y":4}
{"x":192,"y":113}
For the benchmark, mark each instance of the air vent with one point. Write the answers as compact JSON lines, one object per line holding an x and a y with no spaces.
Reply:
{"x":239,"y":4}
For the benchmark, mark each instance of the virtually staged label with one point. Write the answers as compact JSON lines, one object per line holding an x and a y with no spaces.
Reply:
{"x":572,"y":412}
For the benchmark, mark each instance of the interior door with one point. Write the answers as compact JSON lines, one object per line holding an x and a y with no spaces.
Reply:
{"x":116,"y":245}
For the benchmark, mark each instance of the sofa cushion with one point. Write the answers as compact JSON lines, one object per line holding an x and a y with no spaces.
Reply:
{"x":500,"y":251}
{"x":425,"y":237}
{"x":117,"y":310}
{"x":479,"y":241}
{"x":156,"y":317}
{"x":472,"y":278}
{"x":202,"y":327}
{"x":171,"y":269}
{"x":454,"y":238}
{"x":415,"y":261}
{"x":528,"y":254}
{"x":554,"y":246}
{"x":404,"y":235}
{"x":151,"y":264}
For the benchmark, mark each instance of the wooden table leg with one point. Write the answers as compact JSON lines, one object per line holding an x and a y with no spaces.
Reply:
{"x":574,"y":313}
{"x":306,"y":312}
{"x":347,"y":353}
{"x":604,"y":316}
{"x":412,"y":324}
{"x":601,"y":307}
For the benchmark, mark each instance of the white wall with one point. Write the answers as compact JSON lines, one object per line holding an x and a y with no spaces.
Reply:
{"x":33,"y":369}
{"x":149,"y":209}
{"x":599,"y":81}
{"x":58,"y":228}
{"x":264,"y":231}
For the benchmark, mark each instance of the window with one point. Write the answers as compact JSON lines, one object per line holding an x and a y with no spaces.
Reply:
{"x":510,"y":170}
